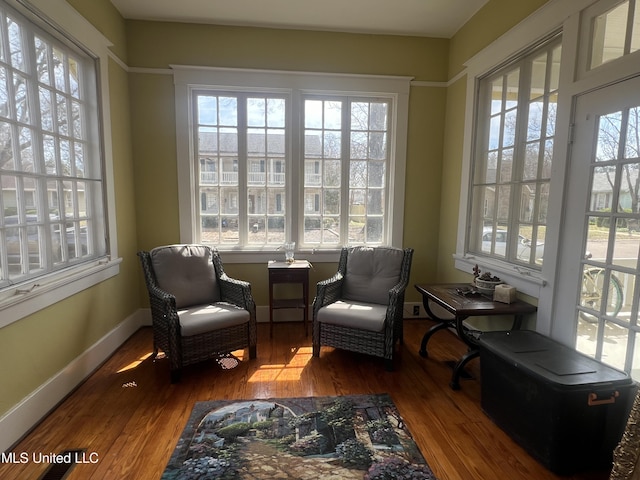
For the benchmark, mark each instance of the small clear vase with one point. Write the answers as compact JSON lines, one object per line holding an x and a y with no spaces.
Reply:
{"x":289,"y":249}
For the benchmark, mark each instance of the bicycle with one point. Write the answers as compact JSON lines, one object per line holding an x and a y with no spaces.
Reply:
{"x":592,"y":292}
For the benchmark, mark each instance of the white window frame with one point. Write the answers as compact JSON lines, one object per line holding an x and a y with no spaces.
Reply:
{"x":601,"y":71}
{"x":512,"y":151}
{"x":554,"y":16}
{"x":247,"y":165}
{"x":296,"y":84}
{"x":21,"y":300}
{"x":355,"y":166}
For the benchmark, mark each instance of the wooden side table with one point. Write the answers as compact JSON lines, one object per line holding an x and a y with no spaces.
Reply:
{"x":453,"y":299}
{"x":283,"y":272}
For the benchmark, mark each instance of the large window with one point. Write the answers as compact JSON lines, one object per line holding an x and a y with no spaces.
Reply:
{"x":345,"y":161}
{"x":512,"y":163}
{"x":241,"y":154}
{"x":51,"y":208}
{"x":273,"y":162}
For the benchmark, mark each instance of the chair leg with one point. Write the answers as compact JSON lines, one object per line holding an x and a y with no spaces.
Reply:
{"x":252,"y":352}
{"x":388,"y":364}
{"x":315,"y":337}
{"x":175,"y":376}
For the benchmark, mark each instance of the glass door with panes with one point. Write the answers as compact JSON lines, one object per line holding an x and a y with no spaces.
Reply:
{"x":597,"y":300}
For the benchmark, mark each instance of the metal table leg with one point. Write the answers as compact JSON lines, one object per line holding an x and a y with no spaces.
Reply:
{"x":459,"y":368}
{"x":443,"y":323}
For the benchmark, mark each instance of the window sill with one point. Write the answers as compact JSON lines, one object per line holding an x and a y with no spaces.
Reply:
{"x":263,"y":256}
{"x":25,"y":299}
{"x":528,"y":281}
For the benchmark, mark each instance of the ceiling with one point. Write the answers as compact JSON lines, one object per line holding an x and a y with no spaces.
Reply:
{"x":426,"y":18}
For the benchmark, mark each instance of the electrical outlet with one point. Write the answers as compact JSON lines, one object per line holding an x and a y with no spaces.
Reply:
{"x":416,"y":310}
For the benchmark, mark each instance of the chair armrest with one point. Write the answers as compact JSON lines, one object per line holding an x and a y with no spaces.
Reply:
{"x":397,"y":291}
{"x":160,"y":298}
{"x":395,"y":308}
{"x":328,"y":291}
{"x":164,"y":313}
{"x":236,"y":291}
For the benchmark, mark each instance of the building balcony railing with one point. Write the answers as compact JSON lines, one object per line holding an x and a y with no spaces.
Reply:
{"x":312,"y":179}
{"x":259,"y":178}
{"x":208,"y":177}
{"x":224,"y":178}
{"x":231,"y":178}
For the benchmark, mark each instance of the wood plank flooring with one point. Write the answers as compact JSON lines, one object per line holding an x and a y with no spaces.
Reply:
{"x":129,"y":417}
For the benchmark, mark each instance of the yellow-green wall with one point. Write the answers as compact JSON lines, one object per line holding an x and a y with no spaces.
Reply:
{"x":144,"y":152}
{"x":155,"y":46}
{"x":489,"y":23}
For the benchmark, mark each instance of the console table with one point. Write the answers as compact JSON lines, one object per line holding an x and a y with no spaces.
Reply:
{"x":284,"y":272}
{"x":457,"y":299}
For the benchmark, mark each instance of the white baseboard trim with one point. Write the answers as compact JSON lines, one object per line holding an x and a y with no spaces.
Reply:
{"x":33,"y":408}
{"x":410,"y":310}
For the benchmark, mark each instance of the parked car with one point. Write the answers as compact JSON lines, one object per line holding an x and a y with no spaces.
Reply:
{"x":501,"y":236}
{"x":12,"y":241}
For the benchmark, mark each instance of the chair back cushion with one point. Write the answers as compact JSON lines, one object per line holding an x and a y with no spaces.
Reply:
{"x":186,"y":272}
{"x":371,"y":273}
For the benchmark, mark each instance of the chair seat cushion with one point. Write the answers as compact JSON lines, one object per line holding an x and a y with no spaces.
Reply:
{"x":207,"y":318}
{"x":365,"y":316}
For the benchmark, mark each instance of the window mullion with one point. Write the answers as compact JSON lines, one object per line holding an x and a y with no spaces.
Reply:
{"x":630,"y":26}
{"x":519,"y":153}
{"x":39,"y":168}
{"x":542,"y":146}
{"x":495,"y":221}
{"x":294,"y":169}
{"x":345,"y":188}
{"x":243,"y":160}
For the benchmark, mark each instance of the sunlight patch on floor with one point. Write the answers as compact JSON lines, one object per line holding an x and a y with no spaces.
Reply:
{"x":135,"y":364}
{"x":284,"y":372}
{"x":240,"y":354}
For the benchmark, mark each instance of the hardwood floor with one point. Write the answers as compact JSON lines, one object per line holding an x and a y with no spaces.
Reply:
{"x":128,"y":416}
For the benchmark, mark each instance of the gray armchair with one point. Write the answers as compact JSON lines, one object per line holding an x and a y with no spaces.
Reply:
{"x":360,"y":308}
{"x":198,"y":312}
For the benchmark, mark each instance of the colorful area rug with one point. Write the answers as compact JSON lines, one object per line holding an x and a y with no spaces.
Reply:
{"x":346,"y":437}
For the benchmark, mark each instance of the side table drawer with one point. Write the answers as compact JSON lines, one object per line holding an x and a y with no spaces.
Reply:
{"x":287,"y":276}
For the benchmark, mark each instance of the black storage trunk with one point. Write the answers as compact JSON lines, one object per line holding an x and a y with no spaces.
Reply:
{"x":566,"y":409}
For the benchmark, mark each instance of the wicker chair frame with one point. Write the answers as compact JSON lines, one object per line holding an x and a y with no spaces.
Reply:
{"x":379,"y":344}
{"x":183,"y":351}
